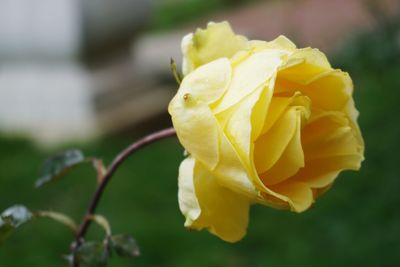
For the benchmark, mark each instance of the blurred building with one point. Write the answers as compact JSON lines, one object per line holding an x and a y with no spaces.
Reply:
{"x":66,"y":70}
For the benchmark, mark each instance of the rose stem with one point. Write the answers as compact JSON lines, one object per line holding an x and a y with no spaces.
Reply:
{"x":118,"y":160}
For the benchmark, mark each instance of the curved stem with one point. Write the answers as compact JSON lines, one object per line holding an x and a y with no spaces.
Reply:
{"x":119,"y":159}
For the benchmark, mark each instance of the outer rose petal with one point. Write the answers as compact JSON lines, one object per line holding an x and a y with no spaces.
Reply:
{"x":322,"y":172}
{"x":304,"y":64}
{"x":193,"y":120}
{"x":197,"y":130}
{"x":308,"y":71}
{"x":206,"y":204}
{"x":331,"y":145}
{"x":280,"y":43}
{"x":188,"y":203}
{"x":208,"y":83}
{"x":217,"y":41}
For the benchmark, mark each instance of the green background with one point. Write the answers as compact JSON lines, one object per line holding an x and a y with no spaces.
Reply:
{"x":357,"y":223}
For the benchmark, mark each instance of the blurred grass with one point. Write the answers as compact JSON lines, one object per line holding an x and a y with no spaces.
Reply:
{"x":357,"y":223}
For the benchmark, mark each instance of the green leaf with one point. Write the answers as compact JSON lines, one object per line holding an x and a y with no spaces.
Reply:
{"x":69,"y":258}
{"x":93,"y":253}
{"x":11,"y":219}
{"x":6,"y":230}
{"x":16,"y":215}
{"x":58,"y":217}
{"x":56,"y":166}
{"x":102,"y":221}
{"x":125,"y":246}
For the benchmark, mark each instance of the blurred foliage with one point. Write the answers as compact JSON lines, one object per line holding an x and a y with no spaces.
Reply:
{"x":57,"y":165}
{"x":11,"y":219}
{"x":357,"y":223}
{"x":171,"y":13}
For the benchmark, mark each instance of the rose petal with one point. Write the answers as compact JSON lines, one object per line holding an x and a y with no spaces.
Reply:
{"x":300,"y":195}
{"x":208,"y":83}
{"x":329,"y":134}
{"x":269,"y":147}
{"x":281,"y":42}
{"x":308,"y":62}
{"x":291,"y":160}
{"x":188,"y":203}
{"x":232,"y":172}
{"x":249,"y":75}
{"x":195,"y":124}
{"x":329,"y":90}
{"x":243,"y":118}
{"x":190,"y":122}
{"x":223,"y":212}
{"x":216,"y":41}
{"x":323,"y":171}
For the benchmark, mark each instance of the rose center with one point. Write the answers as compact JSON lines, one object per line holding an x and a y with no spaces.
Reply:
{"x":278,"y":152}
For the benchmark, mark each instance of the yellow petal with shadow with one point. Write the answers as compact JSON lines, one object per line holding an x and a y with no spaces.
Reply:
{"x":291,"y":160}
{"x":299,"y":194}
{"x":241,"y":120}
{"x":331,"y":145}
{"x":269,"y":147}
{"x":330,"y":134}
{"x":329,"y":90}
{"x":207,"y":205}
{"x":321,"y":172}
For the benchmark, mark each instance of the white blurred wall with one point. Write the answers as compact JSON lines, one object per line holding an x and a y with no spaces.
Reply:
{"x":51,"y":103}
{"x":39,"y":29}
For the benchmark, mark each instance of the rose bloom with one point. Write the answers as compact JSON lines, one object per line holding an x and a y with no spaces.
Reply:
{"x":262,"y":122}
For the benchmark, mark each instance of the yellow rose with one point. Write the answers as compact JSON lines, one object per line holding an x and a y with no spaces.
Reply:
{"x":263,"y":122}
